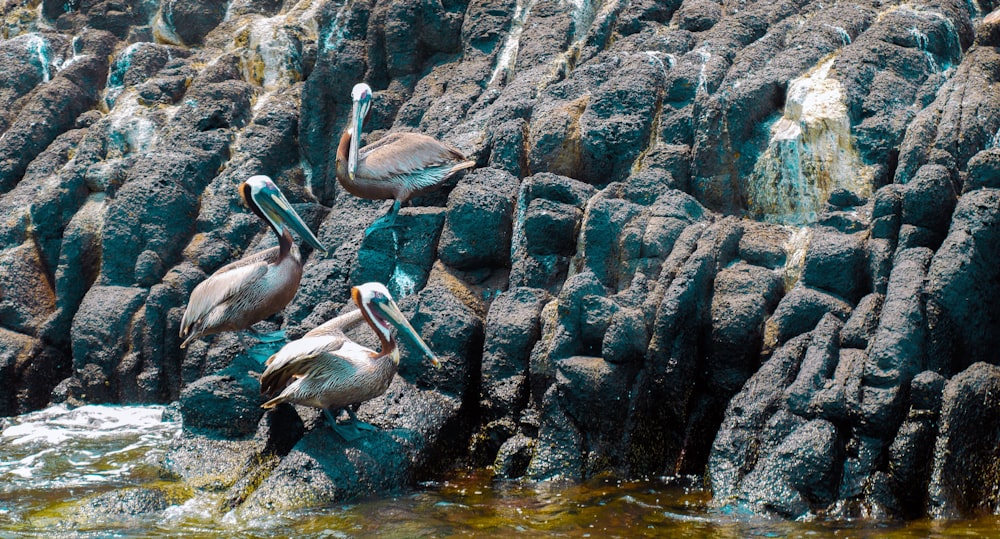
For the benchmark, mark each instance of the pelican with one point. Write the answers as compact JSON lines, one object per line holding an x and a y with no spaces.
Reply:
{"x":325,"y":369}
{"x":399,"y":166}
{"x":249,"y":290}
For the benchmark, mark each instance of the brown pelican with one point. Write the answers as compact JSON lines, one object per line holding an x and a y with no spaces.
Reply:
{"x":397,"y":166}
{"x":249,"y":290}
{"x":327,"y":370}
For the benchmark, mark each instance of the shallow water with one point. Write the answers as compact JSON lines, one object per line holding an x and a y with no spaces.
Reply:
{"x":53,"y":460}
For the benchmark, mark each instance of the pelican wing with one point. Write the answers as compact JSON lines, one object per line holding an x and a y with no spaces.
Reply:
{"x":414,"y":160}
{"x":338,"y":325}
{"x":332,"y":353}
{"x":222,"y":286}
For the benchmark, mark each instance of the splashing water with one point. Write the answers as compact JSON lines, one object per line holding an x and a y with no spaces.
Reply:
{"x":508,"y":53}
{"x":844,"y":36}
{"x":702,"y":79}
{"x":810,"y":154}
{"x":401,"y":283}
{"x":64,"y":454}
{"x":517,"y":234}
{"x":338,"y":33}
{"x":796,"y":248}
{"x":39,"y":47}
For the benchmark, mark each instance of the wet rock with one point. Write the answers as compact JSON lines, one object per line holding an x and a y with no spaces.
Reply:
{"x":764,"y":245}
{"x":227,"y":403}
{"x":911,"y":452}
{"x":961,"y":309}
{"x":594,"y":395}
{"x":833,"y":264}
{"x":514,"y":457}
{"x":741,"y":441}
{"x":559,"y":446}
{"x":513,"y":326}
{"x":657,"y":422}
{"x":413,"y":426}
{"x":965,"y":477}
{"x":122,"y":503}
{"x":798,"y":312}
{"x":744,"y":296}
{"x":189,"y":21}
{"x":795,"y":477}
{"x":100,"y":331}
{"x":478,"y":221}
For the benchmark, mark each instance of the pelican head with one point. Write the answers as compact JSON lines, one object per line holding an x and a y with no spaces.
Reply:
{"x":362,"y":97}
{"x":265,"y":199}
{"x":383,"y":314}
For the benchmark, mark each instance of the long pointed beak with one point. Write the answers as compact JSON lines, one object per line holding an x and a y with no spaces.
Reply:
{"x":277,"y":208}
{"x":358,"y":118}
{"x":395,"y":317}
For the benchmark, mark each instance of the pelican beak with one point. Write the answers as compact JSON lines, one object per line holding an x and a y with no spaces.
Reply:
{"x":279,"y":211}
{"x":362,"y":98}
{"x":390,"y":311}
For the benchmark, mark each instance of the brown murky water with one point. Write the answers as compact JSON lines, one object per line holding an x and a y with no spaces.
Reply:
{"x":51,"y":461}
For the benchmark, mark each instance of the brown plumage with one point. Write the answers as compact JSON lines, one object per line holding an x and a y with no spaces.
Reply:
{"x":249,"y":290}
{"x":398,"y":166}
{"x":325,"y":369}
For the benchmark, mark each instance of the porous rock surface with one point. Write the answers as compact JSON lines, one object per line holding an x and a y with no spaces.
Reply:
{"x":615,"y":287}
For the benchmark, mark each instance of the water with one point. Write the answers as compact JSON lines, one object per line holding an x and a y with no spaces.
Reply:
{"x":53,"y":460}
{"x":811,"y":152}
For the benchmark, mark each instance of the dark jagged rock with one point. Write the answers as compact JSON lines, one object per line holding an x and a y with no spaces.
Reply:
{"x":401,"y":256}
{"x":833,"y":264}
{"x":860,"y":327}
{"x":744,"y":296}
{"x":740,"y":443}
{"x":598,"y":294}
{"x":798,"y":312}
{"x":961,"y":313}
{"x":764,"y":245}
{"x":965,"y":474}
{"x":513,"y":326}
{"x":911,"y":452}
{"x":478,"y":221}
{"x":227,"y":403}
{"x":549,"y":213}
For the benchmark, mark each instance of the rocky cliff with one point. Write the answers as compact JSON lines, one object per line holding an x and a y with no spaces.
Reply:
{"x":755,"y":240}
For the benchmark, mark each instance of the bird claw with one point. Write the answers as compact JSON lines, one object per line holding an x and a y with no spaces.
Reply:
{"x":350,"y":430}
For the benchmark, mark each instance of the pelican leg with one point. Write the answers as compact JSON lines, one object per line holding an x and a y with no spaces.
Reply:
{"x":351,"y":430}
{"x":360,"y":425}
{"x":267,"y":337}
{"x":386,"y":221}
{"x":267,"y":344}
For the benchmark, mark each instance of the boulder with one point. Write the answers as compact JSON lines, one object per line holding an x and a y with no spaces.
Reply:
{"x":965,"y":477}
{"x":478,"y":221}
{"x":962,"y":310}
